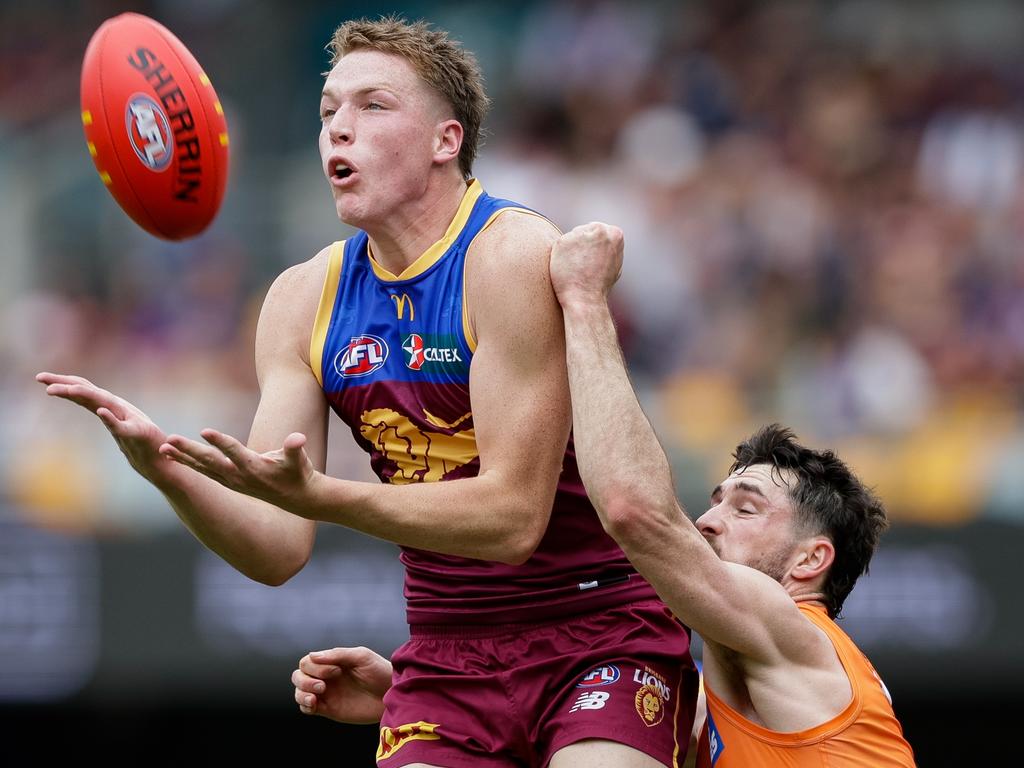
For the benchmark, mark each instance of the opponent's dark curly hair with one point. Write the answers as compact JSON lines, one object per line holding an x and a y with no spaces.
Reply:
{"x":829,"y":499}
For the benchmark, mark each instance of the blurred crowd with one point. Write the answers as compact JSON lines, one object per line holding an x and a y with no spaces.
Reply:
{"x":823,"y":207}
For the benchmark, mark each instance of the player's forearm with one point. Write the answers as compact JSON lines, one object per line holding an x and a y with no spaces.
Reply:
{"x":261,"y":541}
{"x":488,"y":517}
{"x":621,"y":462}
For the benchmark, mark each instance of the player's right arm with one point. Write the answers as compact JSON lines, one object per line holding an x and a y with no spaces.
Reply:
{"x":262,"y":541}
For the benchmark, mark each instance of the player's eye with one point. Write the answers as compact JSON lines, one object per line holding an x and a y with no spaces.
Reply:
{"x":374,"y":105}
{"x":326,"y":113}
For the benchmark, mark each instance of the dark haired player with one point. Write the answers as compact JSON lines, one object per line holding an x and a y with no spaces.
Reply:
{"x":761,"y":576}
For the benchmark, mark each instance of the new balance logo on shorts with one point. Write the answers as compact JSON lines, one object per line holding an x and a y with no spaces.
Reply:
{"x":590,"y":700}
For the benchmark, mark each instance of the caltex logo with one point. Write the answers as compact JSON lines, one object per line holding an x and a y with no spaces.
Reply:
{"x":413,"y":347}
{"x":363,"y":355}
{"x":432,"y":353}
{"x":149,"y":132}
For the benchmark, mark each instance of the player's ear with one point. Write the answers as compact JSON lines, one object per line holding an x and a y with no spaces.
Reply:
{"x":816,"y":556}
{"x":448,"y":141}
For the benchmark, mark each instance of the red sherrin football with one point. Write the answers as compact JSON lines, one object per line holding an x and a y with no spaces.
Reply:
{"x":154,"y":127}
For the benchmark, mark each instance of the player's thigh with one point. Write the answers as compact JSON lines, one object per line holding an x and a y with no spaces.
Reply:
{"x":597,"y":753}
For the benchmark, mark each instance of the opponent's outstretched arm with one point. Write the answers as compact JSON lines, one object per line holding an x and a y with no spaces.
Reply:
{"x":627,"y":474}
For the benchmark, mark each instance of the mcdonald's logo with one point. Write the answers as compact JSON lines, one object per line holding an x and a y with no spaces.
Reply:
{"x":400,"y":302}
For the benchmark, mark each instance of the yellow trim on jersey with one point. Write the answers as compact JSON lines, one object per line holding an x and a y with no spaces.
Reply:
{"x":467,"y":329}
{"x":430,"y":256}
{"x":323,"y":312}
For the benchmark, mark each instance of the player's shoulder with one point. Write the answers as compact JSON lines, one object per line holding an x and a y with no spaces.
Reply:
{"x":514,"y":236}
{"x":520,"y":225}
{"x":290,"y":307}
{"x":294,"y":295}
{"x":304,"y":276}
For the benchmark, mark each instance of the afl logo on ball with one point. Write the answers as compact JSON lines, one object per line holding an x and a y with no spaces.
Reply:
{"x":363,"y":355}
{"x":149,"y":132}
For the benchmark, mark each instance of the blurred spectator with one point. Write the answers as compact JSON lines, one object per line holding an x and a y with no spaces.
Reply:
{"x":822,"y":203}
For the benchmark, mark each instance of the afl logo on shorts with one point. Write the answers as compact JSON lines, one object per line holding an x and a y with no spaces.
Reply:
{"x":149,"y":132}
{"x":363,"y":355}
{"x":605,"y":675}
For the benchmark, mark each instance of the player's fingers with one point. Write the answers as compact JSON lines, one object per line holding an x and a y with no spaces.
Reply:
{"x":320,"y":670}
{"x":46,"y":377}
{"x":185,"y":459}
{"x":357,"y":655}
{"x":342,"y":657}
{"x":226,"y":444}
{"x":306,"y":702}
{"x":204,"y":454}
{"x":304,"y":682}
{"x":87,"y":395}
{"x":110,"y":421}
{"x":82,"y":391}
{"x":294,"y":446}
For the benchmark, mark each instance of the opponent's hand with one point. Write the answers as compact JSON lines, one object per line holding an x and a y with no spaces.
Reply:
{"x":278,"y":477}
{"x":343,"y":684}
{"x":134,"y":432}
{"x":585,"y":263}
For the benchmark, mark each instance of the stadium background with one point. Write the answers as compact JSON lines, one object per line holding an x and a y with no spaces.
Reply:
{"x":824,"y":207}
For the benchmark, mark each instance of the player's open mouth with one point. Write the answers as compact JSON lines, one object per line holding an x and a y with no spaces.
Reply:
{"x":342,"y":171}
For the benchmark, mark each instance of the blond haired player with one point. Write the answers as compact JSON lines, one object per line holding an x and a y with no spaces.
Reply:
{"x":435,"y":335}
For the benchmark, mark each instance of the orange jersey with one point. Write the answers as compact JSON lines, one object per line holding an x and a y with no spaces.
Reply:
{"x":864,"y":735}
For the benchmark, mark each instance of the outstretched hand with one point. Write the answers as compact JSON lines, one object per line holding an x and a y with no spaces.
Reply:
{"x":585,"y":263}
{"x":134,"y":432}
{"x":343,"y":684}
{"x":277,"y":476}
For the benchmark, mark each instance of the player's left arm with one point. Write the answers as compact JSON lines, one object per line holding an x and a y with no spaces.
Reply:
{"x":628,"y":478}
{"x":521,"y":415}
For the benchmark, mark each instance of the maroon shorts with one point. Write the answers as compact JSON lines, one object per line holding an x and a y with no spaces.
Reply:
{"x":513,"y":695}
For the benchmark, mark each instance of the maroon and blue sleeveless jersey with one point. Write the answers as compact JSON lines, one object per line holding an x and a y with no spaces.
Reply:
{"x":393,"y":355}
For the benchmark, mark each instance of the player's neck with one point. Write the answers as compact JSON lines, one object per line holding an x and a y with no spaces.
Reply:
{"x":410,"y":231}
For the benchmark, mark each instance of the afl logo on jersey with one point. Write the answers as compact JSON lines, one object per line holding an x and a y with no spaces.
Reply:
{"x":363,"y":355}
{"x":149,"y":132}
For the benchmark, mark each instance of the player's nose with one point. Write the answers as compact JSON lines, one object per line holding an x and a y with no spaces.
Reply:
{"x":710,"y":523}
{"x":340,"y":128}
